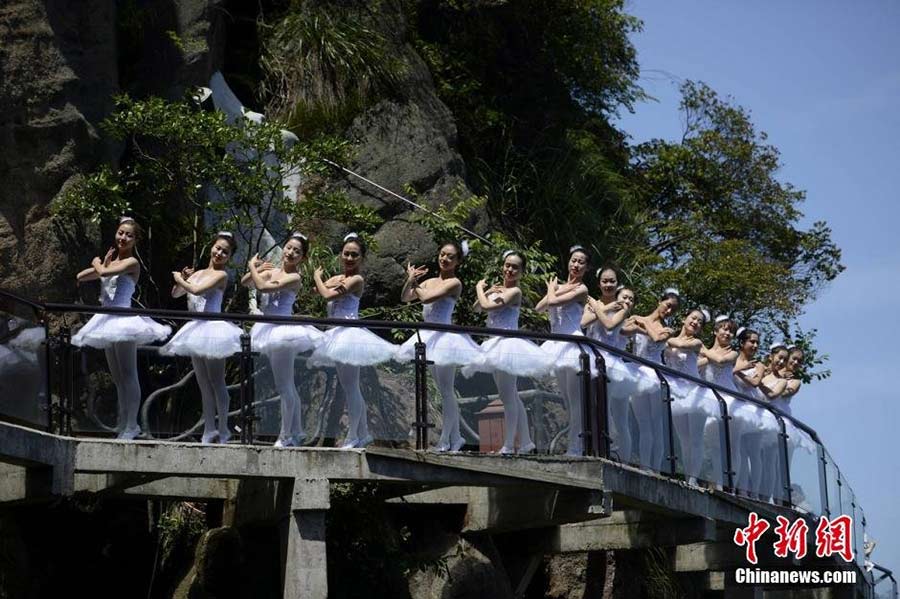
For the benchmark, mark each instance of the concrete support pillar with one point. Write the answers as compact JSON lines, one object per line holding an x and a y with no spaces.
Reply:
{"x":305,"y":560}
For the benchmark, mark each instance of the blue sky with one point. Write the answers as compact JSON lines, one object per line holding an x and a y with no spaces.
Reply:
{"x":822,"y":78}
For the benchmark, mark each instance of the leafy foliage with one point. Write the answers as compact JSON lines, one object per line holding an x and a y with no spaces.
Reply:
{"x":721,"y":226}
{"x":323,"y":63}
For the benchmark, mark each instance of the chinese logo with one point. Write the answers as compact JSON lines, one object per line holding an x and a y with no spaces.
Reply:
{"x":832,"y":537}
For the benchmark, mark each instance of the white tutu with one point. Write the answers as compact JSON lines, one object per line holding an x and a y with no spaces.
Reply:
{"x":104,"y":330}
{"x":513,"y":355}
{"x":267,"y":337}
{"x":444,"y":349}
{"x":29,"y":340}
{"x":355,"y":346}
{"x":567,"y":355}
{"x":688,"y":397}
{"x":627,"y":377}
{"x":213,"y":339}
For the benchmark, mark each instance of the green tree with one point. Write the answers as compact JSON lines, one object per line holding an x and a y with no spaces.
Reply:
{"x":721,"y":226}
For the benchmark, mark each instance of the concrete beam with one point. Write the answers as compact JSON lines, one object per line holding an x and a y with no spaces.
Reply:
{"x":27,"y":447}
{"x":305,"y":558}
{"x":505,"y":509}
{"x":631,"y":530}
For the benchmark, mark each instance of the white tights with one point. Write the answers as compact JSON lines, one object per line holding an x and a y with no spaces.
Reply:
{"x":690,"y":427}
{"x":210,"y":374}
{"x":282,"y":364}
{"x":570,"y":386}
{"x":356,"y":406}
{"x":515,"y":418}
{"x":444,"y":377}
{"x":619,"y":407}
{"x":649,"y":411}
{"x":715,"y":439}
{"x":122,"y":359}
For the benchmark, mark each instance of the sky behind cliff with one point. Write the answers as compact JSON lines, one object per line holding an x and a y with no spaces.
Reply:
{"x":823,"y":80}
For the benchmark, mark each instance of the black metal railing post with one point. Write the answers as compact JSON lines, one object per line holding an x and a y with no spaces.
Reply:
{"x":586,"y":435}
{"x":785,"y":461}
{"x":602,"y":436}
{"x":67,"y":383}
{"x":727,"y":467}
{"x":47,"y":375}
{"x":421,"y":373}
{"x":673,"y":457}
{"x":247,"y":391}
{"x":823,"y":480}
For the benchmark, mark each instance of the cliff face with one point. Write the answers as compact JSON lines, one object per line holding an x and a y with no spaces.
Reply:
{"x":60,"y":65}
{"x":57,"y":75}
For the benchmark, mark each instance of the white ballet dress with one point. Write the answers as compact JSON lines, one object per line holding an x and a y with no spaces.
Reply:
{"x":646,"y":348}
{"x":267,"y":337}
{"x":625,"y":375}
{"x":441,"y":347}
{"x":512,"y":355}
{"x":762,"y":419}
{"x":687,"y":396}
{"x":740,"y":411}
{"x":104,"y":330}
{"x":566,"y":320}
{"x":211,"y":339}
{"x":354,"y":346}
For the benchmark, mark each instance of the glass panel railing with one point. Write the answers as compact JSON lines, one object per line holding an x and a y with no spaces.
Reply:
{"x":859,"y":534}
{"x":692,"y":406}
{"x":832,"y":480}
{"x":717,"y":441}
{"x":24,"y":396}
{"x":803,"y":458}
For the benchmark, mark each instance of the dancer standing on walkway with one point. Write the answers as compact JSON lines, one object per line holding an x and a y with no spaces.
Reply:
{"x":208,"y":342}
{"x":508,"y":358}
{"x":650,"y":337}
{"x":565,"y":305}
{"x":603,"y":320}
{"x":349,"y":348}
{"x":446,"y":350}
{"x":281,"y":343}
{"x":119,"y":335}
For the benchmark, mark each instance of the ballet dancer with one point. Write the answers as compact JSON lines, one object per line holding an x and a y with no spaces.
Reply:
{"x":789,"y":373}
{"x":650,"y":336}
{"x":720,"y":359}
{"x":508,"y":358}
{"x":119,"y":335}
{"x":281,"y":343}
{"x":692,"y":404}
{"x":603,"y":320}
{"x":208,"y":342}
{"x":348,"y":348}
{"x":565,"y":305}
{"x":446,"y":350}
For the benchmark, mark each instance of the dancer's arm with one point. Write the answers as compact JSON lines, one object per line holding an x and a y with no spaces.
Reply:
{"x":712,"y":357}
{"x":413,"y":274}
{"x":107,"y":267}
{"x":568,"y":294}
{"x":261,"y":267}
{"x":217,"y":279}
{"x":436,"y":288}
{"x":263,"y":281}
{"x":773,"y":389}
{"x":501,"y":296}
{"x":352,"y":284}
{"x":793,"y":385}
{"x":544,"y":304}
{"x":691,"y":343}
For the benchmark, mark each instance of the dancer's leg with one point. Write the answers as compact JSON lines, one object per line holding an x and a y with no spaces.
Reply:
{"x":444,"y":379}
{"x":215,"y":368}
{"x":129,"y":386}
{"x":207,"y":398}
{"x":619,"y":406}
{"x":282,"y":364}
{"x":356,"y":407}
{"x":696,"y":423}
{"x":113,"y":360}
{"x":570,"y":385}
{"x":506,"y":388}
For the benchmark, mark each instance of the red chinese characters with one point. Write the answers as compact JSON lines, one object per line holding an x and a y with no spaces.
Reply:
{"x":832,"y":537}
{"x":835,"y":537}
{"x":748,"y":536}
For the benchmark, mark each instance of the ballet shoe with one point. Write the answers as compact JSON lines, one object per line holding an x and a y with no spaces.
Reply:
{"x":456,"y":446}
{"x":280,"y":443}
{"x":367,"y":440}
{"x":129,"y":434}
{"x":506,"y":450}
{"x":224,"y":437}
{"x":527,"y":448}
{"x":350,"y":444}
{"x":297,"y":440}
{"x":442,"y":447}
{"x":692,"y":480}
{"x":209,"y":438}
